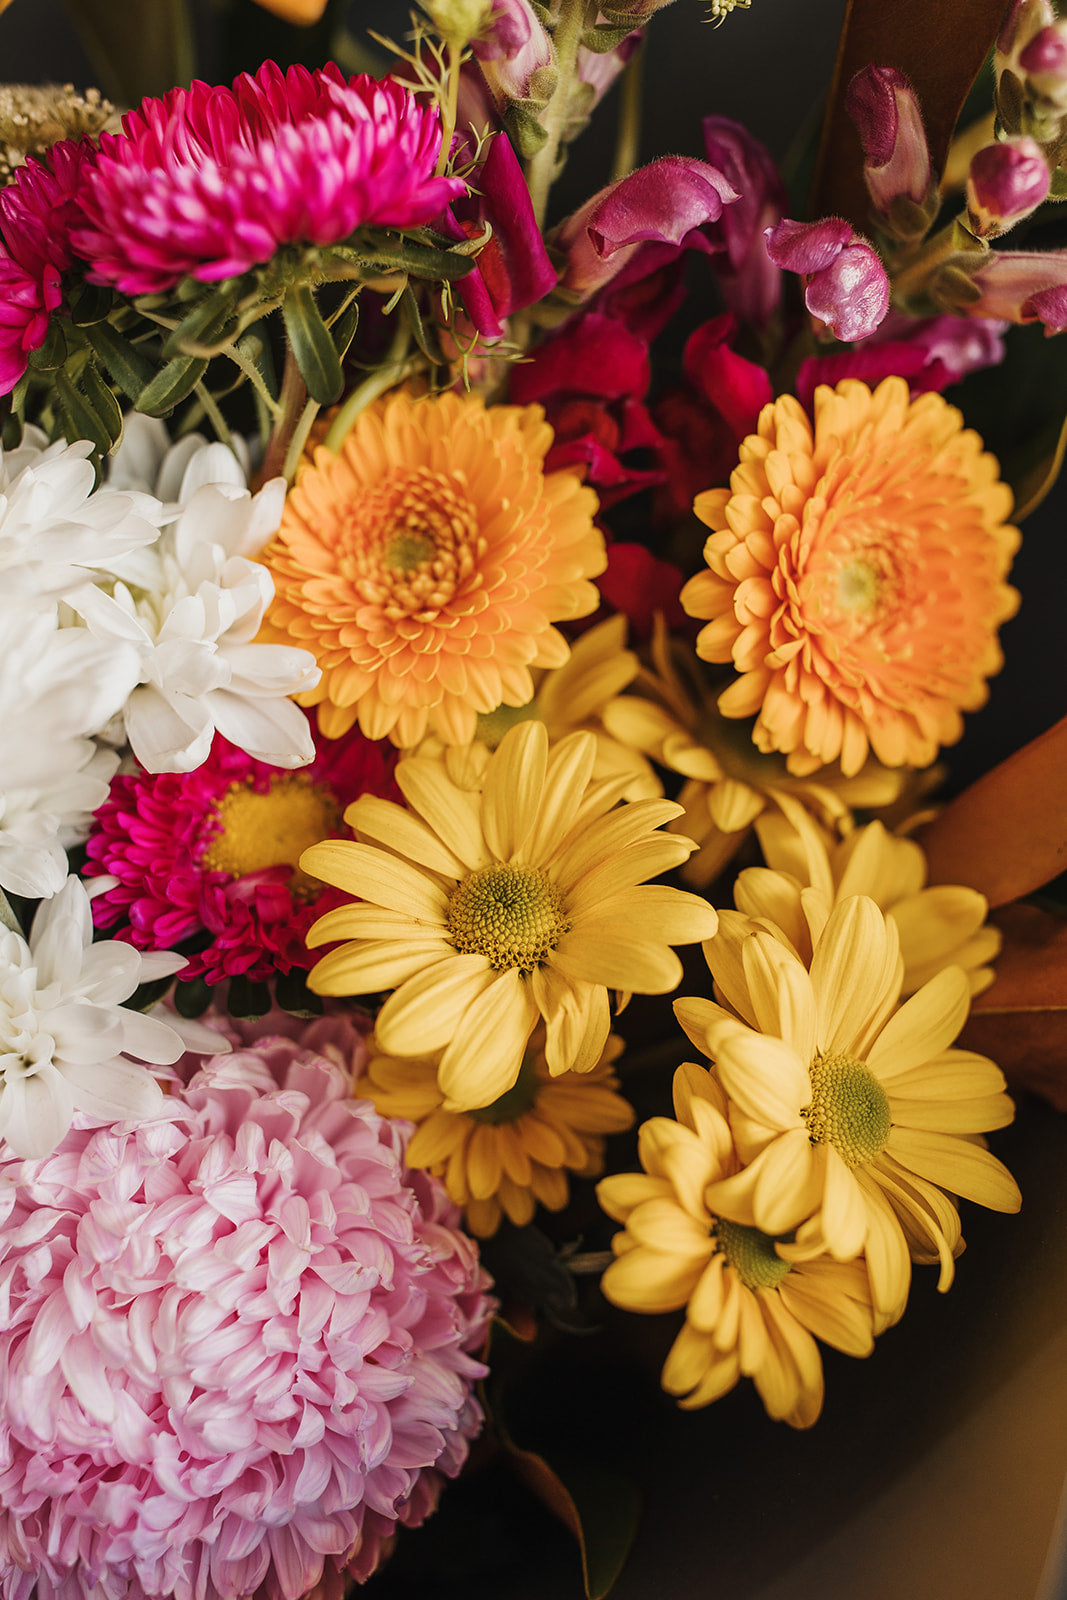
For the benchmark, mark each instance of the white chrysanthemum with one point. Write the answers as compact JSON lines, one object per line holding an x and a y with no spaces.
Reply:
{"x":39,"y":825}
{"x":56,"y":529}
{"x":192,"y":619}
{"x":147,"y":461}
{"x":65,"y":1037}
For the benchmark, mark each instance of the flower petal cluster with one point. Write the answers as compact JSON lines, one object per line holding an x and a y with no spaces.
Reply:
{"x":845,"y":284}
{"x":515,"y":1154}
{"x":239,"y":1337}
{"x":425,"y":564}
{"x":211,"y":855}
{"x":486,"y":911}
{"x":191,"y":613}
{"x":749,"y":1309}
{"x":856,"y":578}
{"x":939,"y":926}
{"x":213,"y":181}
{"x":65,"y":1036}
{"x":851,"y":1113}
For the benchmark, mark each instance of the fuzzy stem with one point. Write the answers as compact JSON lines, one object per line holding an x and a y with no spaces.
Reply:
{"x":214,"y":415}
{"x":299,"y":440}
{"x":449,"y":106}
{"x":394,"y":368}
{"x":293,"y":400}
{"x":628,"y":137}
{"x":541,"y":170}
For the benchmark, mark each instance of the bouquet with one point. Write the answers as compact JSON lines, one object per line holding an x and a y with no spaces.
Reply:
{"x":482,"y":870}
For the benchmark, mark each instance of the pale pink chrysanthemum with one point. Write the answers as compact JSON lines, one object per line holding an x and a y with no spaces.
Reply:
{"x":239,"y":1340}
{"x":38,"y":211}
{"x":212,"y":181}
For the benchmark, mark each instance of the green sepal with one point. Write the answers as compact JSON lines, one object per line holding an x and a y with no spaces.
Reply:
{"x":81,"y":418}
{"x":425,"y":337}
{"x":418,"y":260}
{"x":1058,"y":186}
{"x":313,"y":348}
{"x":343,"y":328}
{"x":602,"y":38}
{"x":192,"y":999}
{"x":525,"y":131}
{"x":90,"y":303}
{"x":132,"y":371}
{"x":204,"y":323}
{"x":247,"y":1000}
{"x":293,"y":995}
{"x":52,"y":353}
{"x":171,"y":385}
{"x":12,"y":431}
{"x":102,"y":399}
{"x":8,"y":918}
{"x":256,"y":347}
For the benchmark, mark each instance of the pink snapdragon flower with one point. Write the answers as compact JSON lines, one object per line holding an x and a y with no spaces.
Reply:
{"x":38,"y":212}
{"x":751,"y":284}
{"x":845,"y":284}
{"x":239,"y":1339}
{"x":883,"y":105}
{"x":213,"y":181}
{"x":930,"y":352}
{"x":212,"y":855}
{"x":1007,"y":181}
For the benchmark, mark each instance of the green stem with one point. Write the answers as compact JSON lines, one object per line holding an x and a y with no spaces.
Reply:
{"x":395,"y":367}
{"x":214,"y":415}
{"x":542,"y":169}
{"x":628,"y":137}
{"x":299,"y":440}
{"x":450,"y":106}
{"x":293,"y":400}
{"x":943,"y":247}
{"x":255,"y":378}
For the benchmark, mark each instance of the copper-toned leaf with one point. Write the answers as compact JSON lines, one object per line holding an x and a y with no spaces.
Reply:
{"x":1030,"y":1047}
{"x":599,"y":1507}
{"x":1007,"y":834}
{"x":939,"y":45}
{"x":1032,"y":966}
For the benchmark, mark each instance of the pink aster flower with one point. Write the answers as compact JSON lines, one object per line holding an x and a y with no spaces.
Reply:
{"x":211,"y":181}
{"x":38,"y":211}
{"x":212,"y":854}
{"x":239,"y":1340}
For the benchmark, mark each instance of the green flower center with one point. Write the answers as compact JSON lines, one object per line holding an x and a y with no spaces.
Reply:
{"x":751,"y":1254}
{"x":849,"y":1109}
{"x":491,"y":726}
{"x":509,"y":913}
{"x":515,"y":1102}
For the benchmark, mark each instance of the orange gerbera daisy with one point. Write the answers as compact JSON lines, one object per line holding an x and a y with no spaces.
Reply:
{"x":856,"y":577}
{"x":425,"y":563}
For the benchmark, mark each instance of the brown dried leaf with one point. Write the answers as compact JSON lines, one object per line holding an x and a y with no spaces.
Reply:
{"x":1007,"y":834}
{"x":939,"y":47}
{"x":1032,"y":966}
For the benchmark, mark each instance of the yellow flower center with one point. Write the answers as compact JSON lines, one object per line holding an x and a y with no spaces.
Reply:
{"x":516,"y":1101}
{"x":509,"y":913}
{"x":849,"y":1109}
{"x":858,"y":583}
{"x":493,"y":725}
{"x":412,"y":541}
{"x":751,"y":1254}
{"x":272,"y":827}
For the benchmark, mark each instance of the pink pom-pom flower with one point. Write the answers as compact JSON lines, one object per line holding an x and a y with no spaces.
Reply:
{"x":213,"y":181}
{"x":239,"y":1339}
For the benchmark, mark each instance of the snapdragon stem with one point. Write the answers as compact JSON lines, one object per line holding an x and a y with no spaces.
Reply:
{"x":542,"y":168}
{"x":628,"y":137}
{"x":291,"y":407}
{"x":396,"y":366}
{"x":449,"y":106}
{"x":299,"y":440}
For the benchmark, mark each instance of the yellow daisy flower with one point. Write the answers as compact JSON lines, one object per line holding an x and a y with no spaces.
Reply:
{"x":671,"y":717}
{"x":487,"y":911}
{"x":567,"y":699}
{"x":850,"y":1112}
{"x":748,"y":1309}
{"x":425,"y":563}
{"x":939,"y":927}
{"x":510,"y":1156}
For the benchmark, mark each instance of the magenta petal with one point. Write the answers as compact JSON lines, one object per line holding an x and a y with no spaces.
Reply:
{"x":852,"y":294}
{"x":591,"y":355}
{"x":807,"y":246}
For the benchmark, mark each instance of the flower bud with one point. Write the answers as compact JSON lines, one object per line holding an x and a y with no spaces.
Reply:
{"x":882,"y":104}
{"x":516,"y":55}
{"x":1016,"y":110}
{"x":1006,"y":183}
{"x":460,"y":20}
{"x":1044,"y":62}
{"x":845,"y":283}
{"x":1022,"y":286}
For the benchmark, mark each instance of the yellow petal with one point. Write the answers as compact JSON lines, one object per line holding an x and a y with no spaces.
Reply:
{"x":451,"y":812}
{"x":514,"y":784}
{"x":371,"y":874}
{"x":856,"y":973}
{"x":843,"y":1214}
{"x":601,"y":954}
{"x":781,"y":993}
{"x":483,"y":1058}
{"x":956,"y":1165}
{"x":373,"y":965}
{"x":382,"y":822}
{"x":924,"y":1026}
{"x":566,"y":784}
{"x":646,"y":1280}
{"x":425,"y":1012}
{"x":620,"y":1193}
{"x":764,"y":1077}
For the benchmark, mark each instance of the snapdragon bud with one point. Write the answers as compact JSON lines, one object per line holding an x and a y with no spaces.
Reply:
{"x":882,"y":104}
{"x":460,"y":21}
{"x":1025,"y":19}
{"x":845,"y":284}
{"x":1044,"y":65}
{"x":1007,"y":181}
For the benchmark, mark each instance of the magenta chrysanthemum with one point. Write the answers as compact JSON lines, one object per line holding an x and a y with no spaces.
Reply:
{"x":211,"y":181}
{"x":212,"y":854}
{"x":38,"y":211}
{"x":239,"y":1340}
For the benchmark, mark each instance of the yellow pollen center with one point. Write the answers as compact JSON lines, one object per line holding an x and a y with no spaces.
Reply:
{"x":271,"y":828}
{"x":858,"y":585}
{"x":509,"y":913}
{"x":849,"y":1109}
{"x":411,"y":542}
{"x":751,"y":1254}
{"x":491,"y":726}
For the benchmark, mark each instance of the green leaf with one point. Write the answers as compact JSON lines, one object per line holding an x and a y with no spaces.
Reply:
{"x":52,"y":353}
{"x":312,"y":347}
{"x":192,"y":999}
{"x":204,"y":323}
{"x":80,"y":417}
{"x":132,"y":371}
{"x":90,"y":303}
{"x":602,"y":38}
{"x":247,"y":1000}
{"x":8,"y":918}
{"x":343,"y":327}
{"x":171,"y":385}
{"x":102,"y":399}
{"x":293,"y":995}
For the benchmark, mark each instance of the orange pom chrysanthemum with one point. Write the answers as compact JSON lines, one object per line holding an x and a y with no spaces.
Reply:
{"x":425,"y":563}
{"x":856,"y":577}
